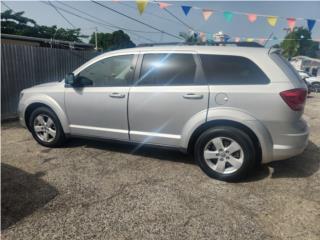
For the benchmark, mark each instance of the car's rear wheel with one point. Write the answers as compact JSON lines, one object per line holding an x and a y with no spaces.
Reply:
{"x":46,"y":128}
{"x":225,"y":153}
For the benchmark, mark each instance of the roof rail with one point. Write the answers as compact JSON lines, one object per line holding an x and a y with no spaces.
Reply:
{"x":239,"y":44}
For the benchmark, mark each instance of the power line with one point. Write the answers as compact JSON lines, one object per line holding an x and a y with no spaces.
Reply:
{"x":149,"y":13}
{"x":171,"y":14}
{"x":98,"y":23}
{"x":104,"y":21}
{"x":136,"y":20}
{"x":61,"y":14}
{"x":7,"y":6}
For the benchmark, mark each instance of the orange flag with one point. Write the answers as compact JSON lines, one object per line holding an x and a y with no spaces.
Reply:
{"x":206,"y":13}
{"x":252,"y":17}
{"x":163,"y":5}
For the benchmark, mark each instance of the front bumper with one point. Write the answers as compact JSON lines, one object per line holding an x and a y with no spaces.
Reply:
{"x":21,"y":110}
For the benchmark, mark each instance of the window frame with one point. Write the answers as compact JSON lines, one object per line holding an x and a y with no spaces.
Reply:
{"x":199,"y":78}
{"x":234,"y":84}
{"x":101,"y":58}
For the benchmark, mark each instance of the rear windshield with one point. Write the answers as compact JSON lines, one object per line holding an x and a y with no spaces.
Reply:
{"x":232,"y":70}
{"x":285,"y":66}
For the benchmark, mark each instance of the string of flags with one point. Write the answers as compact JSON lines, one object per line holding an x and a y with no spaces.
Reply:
{"x":214,"y":37}
{"x":228,"y":15}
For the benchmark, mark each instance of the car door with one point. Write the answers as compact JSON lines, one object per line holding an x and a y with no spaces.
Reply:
{"x":168,"y":91}
{"x":97,"y":104}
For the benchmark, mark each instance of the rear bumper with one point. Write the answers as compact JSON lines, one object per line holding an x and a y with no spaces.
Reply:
{"x":291,"y":144}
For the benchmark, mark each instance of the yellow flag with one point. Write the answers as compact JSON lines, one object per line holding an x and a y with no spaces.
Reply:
{"x":141,"y":4}
{"x":272,"y":20}
{"x":250,"y":39}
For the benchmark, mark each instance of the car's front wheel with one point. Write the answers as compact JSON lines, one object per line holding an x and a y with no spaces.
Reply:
{"x":225,"y":153}
{"x":46,"y":128}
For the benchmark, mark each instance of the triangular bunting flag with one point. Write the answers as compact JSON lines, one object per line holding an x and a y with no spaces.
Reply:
{"x":163,"y":5}
{"x":311,"y":24}
{"x":186,"y":9}
{"x":237,"y":39}
{"x":228,"y":16}
{"x":291,"y":23}
{"x":206,"y":14}
{"x":249,"y":39}
{"x":272,"y":20}
{"x":262,"y":41}
{"x":141,"y":4}
{"x":252,"y":17}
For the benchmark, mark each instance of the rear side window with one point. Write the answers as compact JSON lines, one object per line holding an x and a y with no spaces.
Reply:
{"x":232,"y":70}
{"x":167,"y":69}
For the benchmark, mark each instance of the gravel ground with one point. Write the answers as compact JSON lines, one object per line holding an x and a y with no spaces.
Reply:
{"x":101,"y":190}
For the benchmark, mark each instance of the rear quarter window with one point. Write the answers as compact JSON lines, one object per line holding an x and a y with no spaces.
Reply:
{"x":232,"y":70}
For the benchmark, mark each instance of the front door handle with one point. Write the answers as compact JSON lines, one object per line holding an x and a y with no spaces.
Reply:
{"x":193,"y":96}
{"x":117,"y":95}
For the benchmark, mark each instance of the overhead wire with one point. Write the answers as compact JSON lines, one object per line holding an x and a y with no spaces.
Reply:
{"x":100,"y":23}
{"x":65,"y":18}
{"x":136,"y":20}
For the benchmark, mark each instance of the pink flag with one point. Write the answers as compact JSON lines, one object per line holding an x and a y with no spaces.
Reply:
{"x":291,"y":23}
{"x":262,"y":41}
{"x":163,"y":5}
{"x":252,"y":17}
{"x":237,"y":39}
{"x":206,"y":14}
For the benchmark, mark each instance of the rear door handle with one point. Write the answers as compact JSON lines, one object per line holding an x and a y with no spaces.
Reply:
{"x":117,"y":95}
{"x":193,"y":96}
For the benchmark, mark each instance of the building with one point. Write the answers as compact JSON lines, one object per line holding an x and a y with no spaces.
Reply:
{"x":307,"y":64}
{"x":43,"y":42}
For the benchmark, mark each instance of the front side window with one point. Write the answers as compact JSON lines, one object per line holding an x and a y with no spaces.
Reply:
{"x":232,"y":70}
{"x":167,"y":69}
{"x":112,"y":71}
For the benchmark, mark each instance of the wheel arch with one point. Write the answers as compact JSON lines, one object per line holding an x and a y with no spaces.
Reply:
{"x":225,"y":122}
{"x":32,"y":104}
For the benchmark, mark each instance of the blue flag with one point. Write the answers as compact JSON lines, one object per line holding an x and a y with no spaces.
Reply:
{"x":311,"y":24}
{"x":186,"y":9}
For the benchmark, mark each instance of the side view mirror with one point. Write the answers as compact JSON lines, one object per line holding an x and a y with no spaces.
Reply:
{"x":69,"y":79}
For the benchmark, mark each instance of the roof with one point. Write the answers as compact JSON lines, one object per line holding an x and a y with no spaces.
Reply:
{"x":228,"y":50}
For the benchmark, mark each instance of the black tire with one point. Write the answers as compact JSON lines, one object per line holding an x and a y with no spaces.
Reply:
{"x":59,"y":138}
{"x":249,"y":152}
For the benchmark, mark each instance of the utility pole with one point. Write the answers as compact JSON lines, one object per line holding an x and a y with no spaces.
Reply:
{"x":96,"y":38}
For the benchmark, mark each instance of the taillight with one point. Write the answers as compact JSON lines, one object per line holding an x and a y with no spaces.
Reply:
{"x":295,"y":98}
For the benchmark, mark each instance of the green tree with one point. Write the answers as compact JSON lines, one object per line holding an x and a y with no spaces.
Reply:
{"x":17,"y":24}
{"x":112,"y":41}
{"x":298,"y":42}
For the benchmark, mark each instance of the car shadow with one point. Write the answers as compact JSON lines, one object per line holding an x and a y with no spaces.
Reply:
{"x":21,"y":194}
{"x":162,"y":153}
{"x":304,"y":165}
{"x":301,"y":166}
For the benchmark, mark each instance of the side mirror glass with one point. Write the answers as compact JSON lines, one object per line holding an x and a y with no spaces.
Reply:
{"x":69,"y":79}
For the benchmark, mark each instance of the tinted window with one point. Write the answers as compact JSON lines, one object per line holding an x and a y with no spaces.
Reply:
{"x":232,"y":70}
{"x":167,"y":69}
{"x":112,"y":71}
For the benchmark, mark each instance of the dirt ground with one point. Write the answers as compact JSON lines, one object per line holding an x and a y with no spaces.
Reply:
{"x":101,"y":190}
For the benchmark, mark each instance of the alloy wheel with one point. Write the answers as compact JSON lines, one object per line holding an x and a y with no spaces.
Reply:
{"x":44,"y":128}
{"x":223,"y":155}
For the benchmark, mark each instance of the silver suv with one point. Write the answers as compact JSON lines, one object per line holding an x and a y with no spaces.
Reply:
{"x":232,"y":107}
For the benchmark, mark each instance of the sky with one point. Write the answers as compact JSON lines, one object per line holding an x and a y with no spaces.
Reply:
{"x":45,"y":14}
